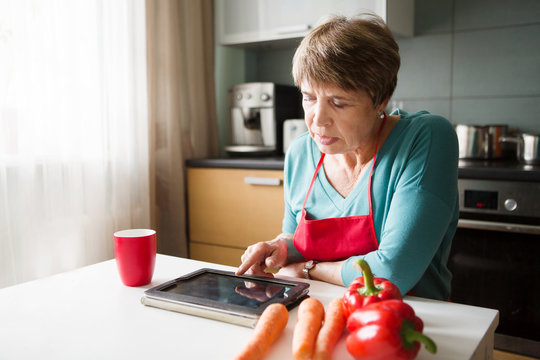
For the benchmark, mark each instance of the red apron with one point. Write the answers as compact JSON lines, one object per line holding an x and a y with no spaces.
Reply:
{"x":337,"y":238}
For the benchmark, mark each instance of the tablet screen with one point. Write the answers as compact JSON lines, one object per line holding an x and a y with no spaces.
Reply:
{"x":229,"y":289}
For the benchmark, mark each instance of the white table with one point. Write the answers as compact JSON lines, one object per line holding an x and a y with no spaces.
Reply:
{"x":89,"y":314}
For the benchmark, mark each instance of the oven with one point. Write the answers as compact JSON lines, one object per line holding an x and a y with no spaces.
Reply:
{"x":495,"y":252}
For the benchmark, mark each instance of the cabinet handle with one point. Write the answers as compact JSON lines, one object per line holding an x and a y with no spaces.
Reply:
{"x":262,"y":181}
{"x":293,"y":29}
{"x":498,"y":226}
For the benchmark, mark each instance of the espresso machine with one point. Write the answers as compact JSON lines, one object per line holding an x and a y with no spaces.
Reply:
{"x":257,"y":111}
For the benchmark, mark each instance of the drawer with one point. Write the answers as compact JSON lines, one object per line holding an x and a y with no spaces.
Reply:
{"x":234,"y":207}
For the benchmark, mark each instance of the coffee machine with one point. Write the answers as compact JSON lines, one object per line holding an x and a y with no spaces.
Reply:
{"x":257,"y":111}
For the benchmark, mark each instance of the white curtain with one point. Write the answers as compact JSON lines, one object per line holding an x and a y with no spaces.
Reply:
{"x":73,"y":132}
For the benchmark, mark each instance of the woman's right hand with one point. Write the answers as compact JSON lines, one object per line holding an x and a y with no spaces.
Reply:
{"x":262,"y":255}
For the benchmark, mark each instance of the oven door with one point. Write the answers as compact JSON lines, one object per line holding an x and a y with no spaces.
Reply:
{"x":495,"y":264}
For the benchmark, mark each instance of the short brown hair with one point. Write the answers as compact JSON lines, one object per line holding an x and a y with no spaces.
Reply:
{"x":351,"y":53}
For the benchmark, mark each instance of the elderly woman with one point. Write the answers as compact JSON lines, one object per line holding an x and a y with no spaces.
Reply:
{"x":361,"y":183}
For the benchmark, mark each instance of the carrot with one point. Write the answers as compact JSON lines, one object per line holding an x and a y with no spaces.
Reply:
{"x":270,"y":325}
{"x":333,"y":326}
{"x":310,"y":317}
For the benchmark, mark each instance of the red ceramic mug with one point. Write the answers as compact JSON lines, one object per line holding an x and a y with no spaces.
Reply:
{"x":135,"y":253}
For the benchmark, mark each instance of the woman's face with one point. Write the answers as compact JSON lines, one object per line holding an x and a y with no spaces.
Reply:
{"x":339,"y":121}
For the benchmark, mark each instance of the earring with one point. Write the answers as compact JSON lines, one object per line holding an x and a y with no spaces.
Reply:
{"x":381,"y":115}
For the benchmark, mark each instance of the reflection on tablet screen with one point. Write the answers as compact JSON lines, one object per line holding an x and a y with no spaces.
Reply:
{"x":228,"y":289}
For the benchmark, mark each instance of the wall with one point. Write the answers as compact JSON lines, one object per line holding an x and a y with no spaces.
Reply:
{"x":475,"y":62}
{"x":472,"y":61}
{"x":230,"y":70}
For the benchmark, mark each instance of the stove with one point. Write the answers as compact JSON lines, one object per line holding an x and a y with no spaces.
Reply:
{"x":493,"y":256}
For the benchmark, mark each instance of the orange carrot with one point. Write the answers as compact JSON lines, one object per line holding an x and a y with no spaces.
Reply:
{"x":270,"y":325}
{"x":310,"y":317}
{"x":333,"y":326}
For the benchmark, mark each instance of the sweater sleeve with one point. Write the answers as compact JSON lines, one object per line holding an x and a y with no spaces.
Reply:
{"x":293,"y":176}
{"x":289,"y":217}
{"x":421,"y":208}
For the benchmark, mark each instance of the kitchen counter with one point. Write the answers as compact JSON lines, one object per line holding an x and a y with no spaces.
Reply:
{"x":256,"y":163}
{"x":498,"y":170}
{"x":88,"y":314}
{"x":492,"y":170}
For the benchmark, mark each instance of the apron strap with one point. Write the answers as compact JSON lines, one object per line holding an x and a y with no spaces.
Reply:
{"x":375,"y":158}
{"x":313,"y":179}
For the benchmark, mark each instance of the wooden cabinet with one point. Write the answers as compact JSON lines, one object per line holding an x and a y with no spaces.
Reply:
{"x":230,"y":209}
{"x":244,"y":22}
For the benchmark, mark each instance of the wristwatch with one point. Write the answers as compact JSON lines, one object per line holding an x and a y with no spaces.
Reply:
{"x":308,"y":265}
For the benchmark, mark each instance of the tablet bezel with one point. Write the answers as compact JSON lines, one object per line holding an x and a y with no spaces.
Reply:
{"x":298,"y":290}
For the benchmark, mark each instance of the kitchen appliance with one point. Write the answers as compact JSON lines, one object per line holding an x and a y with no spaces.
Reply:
{"x":528,"y":147}
{"x":494,"y":252}
{"x":482,"y":141}
{"x":292,"y":128}
{"x":256,"y":114}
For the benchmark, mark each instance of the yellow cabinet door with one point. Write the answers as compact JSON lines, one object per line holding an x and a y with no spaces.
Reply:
{"x":216,"y":254}
{"x":233,"y":208}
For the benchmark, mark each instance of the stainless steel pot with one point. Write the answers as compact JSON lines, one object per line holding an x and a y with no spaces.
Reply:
{"x":481,"y":141}
{"x":528,"y":147}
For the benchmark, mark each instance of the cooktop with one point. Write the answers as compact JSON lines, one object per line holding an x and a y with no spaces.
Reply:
{"x":498,"y":170}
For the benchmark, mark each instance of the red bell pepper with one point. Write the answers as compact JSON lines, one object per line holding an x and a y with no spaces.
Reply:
{"x":365,"y":290}
{"x":386,"y":330}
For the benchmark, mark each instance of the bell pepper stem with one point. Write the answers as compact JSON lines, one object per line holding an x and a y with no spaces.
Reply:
{"x":370,"y":288}
{"x":410,"y":336}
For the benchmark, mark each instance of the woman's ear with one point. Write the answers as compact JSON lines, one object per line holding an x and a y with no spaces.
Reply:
{"x":382,"y":106}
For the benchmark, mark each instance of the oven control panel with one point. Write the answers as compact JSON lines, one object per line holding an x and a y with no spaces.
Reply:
{"x":499,"y":197}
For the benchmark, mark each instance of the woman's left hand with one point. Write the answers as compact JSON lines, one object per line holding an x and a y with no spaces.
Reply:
{"x":329,"y":271}
{"x":293,"y":270}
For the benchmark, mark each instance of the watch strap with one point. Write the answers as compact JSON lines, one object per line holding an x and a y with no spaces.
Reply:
{"x":308,"y":265}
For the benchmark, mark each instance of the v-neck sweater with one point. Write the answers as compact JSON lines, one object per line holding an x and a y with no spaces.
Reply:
{"x":414,"y":195}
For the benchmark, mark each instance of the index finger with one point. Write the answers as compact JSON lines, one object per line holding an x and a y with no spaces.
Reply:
{"x":246,"y":264}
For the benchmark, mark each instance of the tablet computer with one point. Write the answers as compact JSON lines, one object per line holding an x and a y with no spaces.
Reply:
{"x":224,"y":296}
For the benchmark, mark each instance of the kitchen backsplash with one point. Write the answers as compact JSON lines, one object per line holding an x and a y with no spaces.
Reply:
{"x":474,"y":62}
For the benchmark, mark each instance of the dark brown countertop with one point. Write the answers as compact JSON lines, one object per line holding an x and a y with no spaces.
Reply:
{"x":491,"y":170}
{"x":498,"y":170}
{"x":259,"y":163}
